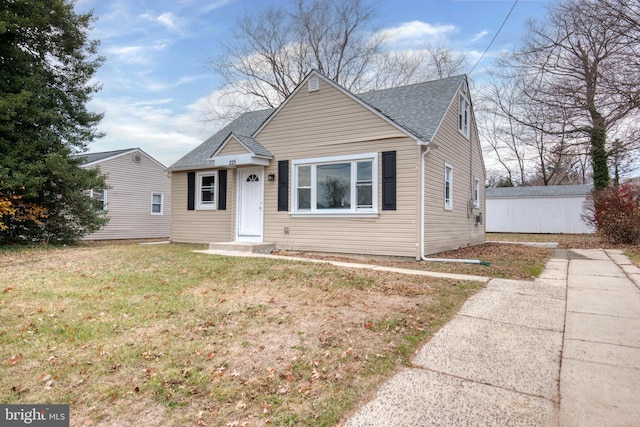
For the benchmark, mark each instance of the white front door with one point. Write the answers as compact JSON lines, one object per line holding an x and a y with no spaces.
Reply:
{"x":250,"y":193}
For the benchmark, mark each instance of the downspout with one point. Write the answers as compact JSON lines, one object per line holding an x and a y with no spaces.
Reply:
{"x":422,"y":216}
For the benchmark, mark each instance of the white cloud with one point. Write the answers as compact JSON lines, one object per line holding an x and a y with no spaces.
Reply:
{"x":415,"y":31}
{"x":213,"y":5}
{"x":135,"y":54}
{"x":128,"y":54}
{"x":169,"y":21}
{"x":151,"y":125}
{"x":478,"y":36}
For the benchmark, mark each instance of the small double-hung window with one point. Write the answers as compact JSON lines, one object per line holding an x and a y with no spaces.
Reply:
{"x":338,"y":185}
{"x":157,"y":202}
{"x":448,"y":187}
{"x":476,"y":193}
{"x":100,"y":198}
{"x":206,"y":194}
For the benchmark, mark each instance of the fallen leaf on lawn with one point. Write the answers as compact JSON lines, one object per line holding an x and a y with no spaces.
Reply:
{"x":15,"y":359}
{"x":8,"y":290}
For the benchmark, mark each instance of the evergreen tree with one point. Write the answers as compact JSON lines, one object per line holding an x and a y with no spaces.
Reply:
{"x":46,"y":65}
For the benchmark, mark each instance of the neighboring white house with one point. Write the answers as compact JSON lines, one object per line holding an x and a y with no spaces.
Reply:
{"x":541,"y":209}
{"x":138,"y":200}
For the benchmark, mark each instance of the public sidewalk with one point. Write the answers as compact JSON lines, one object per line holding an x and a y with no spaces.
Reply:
{"x":561,"y":351}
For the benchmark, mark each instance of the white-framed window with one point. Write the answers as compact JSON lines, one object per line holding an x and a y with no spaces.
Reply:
{"x":476,"y":193}
{"x":206,"y":190}
{"x":157,"y":203}
{"x":448,"y":187}
{"x":100,"y":197}
{"x":335,"y":185}
{"x":464,"y":115}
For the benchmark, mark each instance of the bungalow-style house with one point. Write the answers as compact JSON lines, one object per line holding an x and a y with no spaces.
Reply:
{"x":138,"y":200}
{"x":392,"y":172}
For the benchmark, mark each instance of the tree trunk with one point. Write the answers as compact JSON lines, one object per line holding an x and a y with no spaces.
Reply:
{"x":598,"y":152}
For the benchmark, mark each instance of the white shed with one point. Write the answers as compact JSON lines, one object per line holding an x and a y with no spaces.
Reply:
{"x":541,"y":209}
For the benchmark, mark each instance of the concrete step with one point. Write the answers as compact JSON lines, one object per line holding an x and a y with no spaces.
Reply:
{"x":251,"y":247}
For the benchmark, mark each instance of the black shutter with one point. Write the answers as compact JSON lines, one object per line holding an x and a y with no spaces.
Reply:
{"x":222,"y":190}
{"x":191,"y":191}
{"x":283,"y":185}
{"x":389,"y":181}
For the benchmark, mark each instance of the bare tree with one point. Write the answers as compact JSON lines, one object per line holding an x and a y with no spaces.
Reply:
{"x":580,"y":76}
{"x":271,"y":51}
{"x":443,"y":62}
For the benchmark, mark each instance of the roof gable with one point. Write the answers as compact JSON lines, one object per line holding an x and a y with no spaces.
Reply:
{"x":317,"y":75}
{"x":245,"y":125}
{"x":87,"y":158}
{"x":91,"y":159}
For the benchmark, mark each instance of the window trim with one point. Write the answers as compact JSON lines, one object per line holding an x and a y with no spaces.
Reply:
{"x":104,"y":198}
{"x":354,"y":211}
{"x":464,"y":115}
{"x":476,"y":192}
{"x":448,"y":203}
{"x":157,"y":193}
{"x":214,"y":205}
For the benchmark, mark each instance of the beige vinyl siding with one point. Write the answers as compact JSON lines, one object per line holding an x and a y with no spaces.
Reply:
{"x":232,"y":147}
{"x":129,"y":199}
{"x":328,"y":123}
{"x":447,"y":230}
{"x":201,"y":226}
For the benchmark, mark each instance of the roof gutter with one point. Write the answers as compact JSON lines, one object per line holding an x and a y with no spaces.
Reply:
{"x":423,"y":257}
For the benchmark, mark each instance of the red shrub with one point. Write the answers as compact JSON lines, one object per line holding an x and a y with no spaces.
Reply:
{"x":615,"y":213}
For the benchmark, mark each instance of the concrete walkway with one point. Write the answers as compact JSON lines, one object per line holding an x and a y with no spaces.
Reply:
{"x":561,"y":351}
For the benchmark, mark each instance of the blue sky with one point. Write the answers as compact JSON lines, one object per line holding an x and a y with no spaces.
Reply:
{"x":157,"y":84}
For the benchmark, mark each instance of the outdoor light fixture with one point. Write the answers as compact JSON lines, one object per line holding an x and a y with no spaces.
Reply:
{"x":271,"y":177}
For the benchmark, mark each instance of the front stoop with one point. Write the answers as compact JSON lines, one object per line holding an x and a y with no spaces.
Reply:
{"x":251,"y":247}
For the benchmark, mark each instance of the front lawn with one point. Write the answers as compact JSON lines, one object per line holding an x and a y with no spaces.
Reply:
{"x":158,"y":335}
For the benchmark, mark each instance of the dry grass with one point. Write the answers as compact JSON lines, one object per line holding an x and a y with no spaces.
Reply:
{"x":507,"y":261}
{"x":158,"y":335}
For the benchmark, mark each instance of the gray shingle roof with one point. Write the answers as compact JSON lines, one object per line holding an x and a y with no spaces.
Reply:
{"x":419,"y":108}
{"x":245,"y":125}
{"x":94,"y":157}
{"x":539,"y":191}
{"x":253,"y":145}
